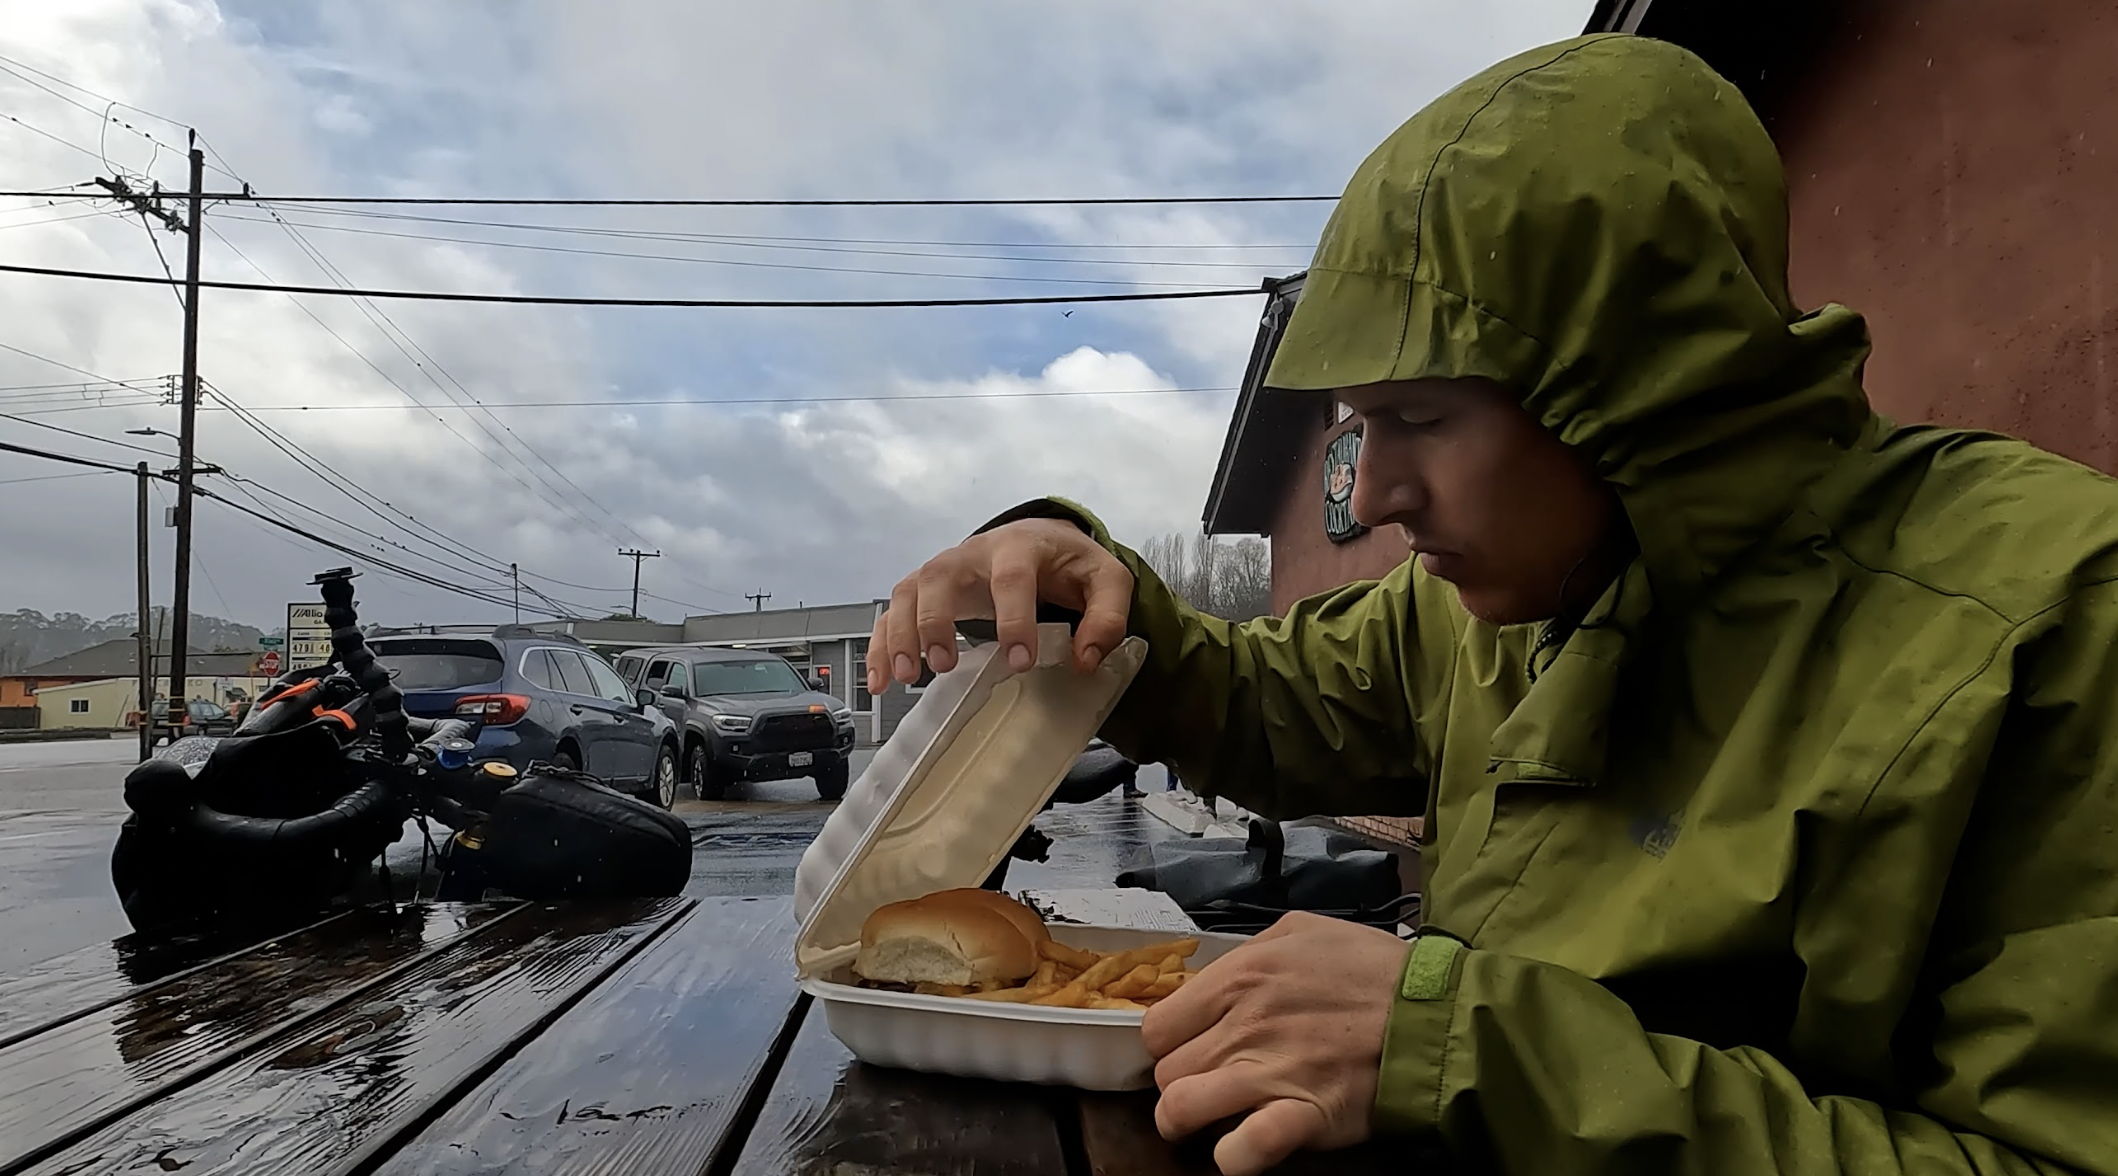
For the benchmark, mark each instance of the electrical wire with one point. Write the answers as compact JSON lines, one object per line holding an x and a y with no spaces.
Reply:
{"x":101,"y":116}
{"x":57,"y":220}
{"x":556,"y":498}
{"x":54,"y":138}
{"x":428,"y":366}
{"x":601,"y":202}
{"x":54,"y":477}
{"x":88,"y":436}
{"x":524,"y":245}
{"x":76,"y":370}
{"x":762,"y":239}
{"x":113,"y":102}
{"x":682,"y":303}
{"x":67,"y":458}
{"x":708,"y":402}
{"x":197,"y":562}
{"x":391,"y":380}
{"x":359,"y":495}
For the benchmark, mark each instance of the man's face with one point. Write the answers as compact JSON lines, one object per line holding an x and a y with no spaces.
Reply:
{"x":1492,"y":502}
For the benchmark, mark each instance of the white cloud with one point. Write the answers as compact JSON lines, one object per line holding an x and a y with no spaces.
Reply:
{"x":650,"y":97}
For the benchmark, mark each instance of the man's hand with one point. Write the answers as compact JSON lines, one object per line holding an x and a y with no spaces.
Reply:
{"x":1002,"y":574}
{"x":1287,"y":1031}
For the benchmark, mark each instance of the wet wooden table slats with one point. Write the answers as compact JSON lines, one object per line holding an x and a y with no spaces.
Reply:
{"x":84,"y":1072}
{"x":344,"y":1087}
{"x":663,"y":1036}
{"x":646,"y":1074}
{"x":92,"y":977}
{"x":828,"y":1116}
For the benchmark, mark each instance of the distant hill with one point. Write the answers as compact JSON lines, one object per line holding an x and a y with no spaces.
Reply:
{"x":28,"y":637}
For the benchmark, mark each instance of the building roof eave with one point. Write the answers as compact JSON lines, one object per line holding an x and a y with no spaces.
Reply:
{"x":1256,"y":447}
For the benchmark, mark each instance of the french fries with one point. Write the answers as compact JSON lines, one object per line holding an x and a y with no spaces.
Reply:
{"x":1071,"y":978}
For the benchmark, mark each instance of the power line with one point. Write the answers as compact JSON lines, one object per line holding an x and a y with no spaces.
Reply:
{"x":597,"y":202}
{"x":109,"y":101}
{"x":765,"y":240}
{"x":79,"y":385}
{"x":60,"y":363}
{"x":53,"y":477}
{"x":392,"y":381}
{"x":358,"y":494}
{"x":100,"y":116}
{"x":835,"y":269}
{"x":67,"y":458}
{"x":680,"y":303}
{"x":87,"y":436}
{"x":58,"y":220}
{"x":54,"y":138}
{"x":282,"y":524}
{"x":406,"y":346}
{"x":709,"y":402}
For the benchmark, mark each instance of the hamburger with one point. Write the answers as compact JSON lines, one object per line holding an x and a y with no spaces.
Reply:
{"x":950,"y":943}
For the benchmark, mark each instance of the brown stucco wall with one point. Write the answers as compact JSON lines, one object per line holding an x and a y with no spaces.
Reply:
{"x":1953,"y":167}
{"x":1304,"y":559}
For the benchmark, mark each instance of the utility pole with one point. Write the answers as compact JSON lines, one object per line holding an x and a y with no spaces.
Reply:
{"x":636,"y":556}
{"x":514,"y":574}
{"x":146,"y":635}
{"x":180,"y":595}
{"x":758,"y":598}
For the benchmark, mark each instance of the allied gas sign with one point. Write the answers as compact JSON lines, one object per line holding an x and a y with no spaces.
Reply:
{"x":308,"y":638}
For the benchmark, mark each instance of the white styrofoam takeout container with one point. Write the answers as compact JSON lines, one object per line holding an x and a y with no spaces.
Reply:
{"x":938,"y":808}
{"x":1089,"y":1049}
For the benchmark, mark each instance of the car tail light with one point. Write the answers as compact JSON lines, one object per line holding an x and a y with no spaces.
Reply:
{"x":493,"y":710}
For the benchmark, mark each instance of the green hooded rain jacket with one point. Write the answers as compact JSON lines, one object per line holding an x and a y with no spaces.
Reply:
{"x":1801,"y":854}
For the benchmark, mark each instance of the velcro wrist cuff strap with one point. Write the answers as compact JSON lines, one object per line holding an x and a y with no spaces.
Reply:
{"x":1427,"y":970}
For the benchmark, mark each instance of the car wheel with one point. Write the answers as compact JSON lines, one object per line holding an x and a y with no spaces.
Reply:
{"x":831,"y":781}
{"x":665,"y":778}
{"x":566,"y":761}
{"x":699,"y":766}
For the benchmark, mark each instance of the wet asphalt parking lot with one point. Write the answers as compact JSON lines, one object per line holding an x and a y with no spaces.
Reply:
{"x":61,"y":804}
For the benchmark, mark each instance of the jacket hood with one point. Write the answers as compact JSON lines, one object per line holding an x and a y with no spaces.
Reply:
{"x":1599,"y":225}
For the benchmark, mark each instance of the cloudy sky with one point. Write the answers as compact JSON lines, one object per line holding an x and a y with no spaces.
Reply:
{"x":520,"y":433}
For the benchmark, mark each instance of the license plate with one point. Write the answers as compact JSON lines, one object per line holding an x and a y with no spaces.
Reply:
{"x":800,"y":759}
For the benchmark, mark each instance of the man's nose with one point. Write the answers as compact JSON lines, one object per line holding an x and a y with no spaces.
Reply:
{"x":1383,"y":490}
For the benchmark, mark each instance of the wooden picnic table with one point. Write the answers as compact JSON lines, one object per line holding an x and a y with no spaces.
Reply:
{"x":660,"y":1037}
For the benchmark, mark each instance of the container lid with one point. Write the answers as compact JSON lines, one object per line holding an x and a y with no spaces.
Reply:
{"x":959,"y":780}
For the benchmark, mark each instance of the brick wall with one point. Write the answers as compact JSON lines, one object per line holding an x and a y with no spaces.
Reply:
{"x":1396,"y":830}
{"x":1304,"y":559}
{"x":1950,"y":169}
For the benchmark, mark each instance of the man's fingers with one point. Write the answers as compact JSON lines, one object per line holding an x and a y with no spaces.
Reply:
{"x":1185,"y":1013}
{"x":901,"y":650}
{"x":879,"y":655}
{"x":1268,"y":1135}
{"x":936,"y":618}
{"x":1014,"y":587}
{"x":1108,"y":598}
{"x":1198,"y":1102}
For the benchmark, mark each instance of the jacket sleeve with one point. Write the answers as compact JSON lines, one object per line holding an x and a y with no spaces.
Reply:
{"x":1330,"y":710}
{"x":2007,"y":1053}
{"x":1526,"y":1067}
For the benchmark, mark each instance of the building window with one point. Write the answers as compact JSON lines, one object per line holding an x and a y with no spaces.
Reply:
{"x":77,"y":706}
{"x":926,"y":678}
{"x":857,"y":669}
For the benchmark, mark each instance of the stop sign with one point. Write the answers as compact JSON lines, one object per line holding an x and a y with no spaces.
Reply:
{"x":268,"y":663}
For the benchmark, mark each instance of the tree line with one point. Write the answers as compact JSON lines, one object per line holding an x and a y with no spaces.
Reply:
{"x":1230,"y":579}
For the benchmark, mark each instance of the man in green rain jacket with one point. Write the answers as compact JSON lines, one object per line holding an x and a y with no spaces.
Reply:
{"x":1768,"y":751}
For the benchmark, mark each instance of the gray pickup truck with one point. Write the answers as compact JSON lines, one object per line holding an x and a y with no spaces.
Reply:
{"x":745,"y":715}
